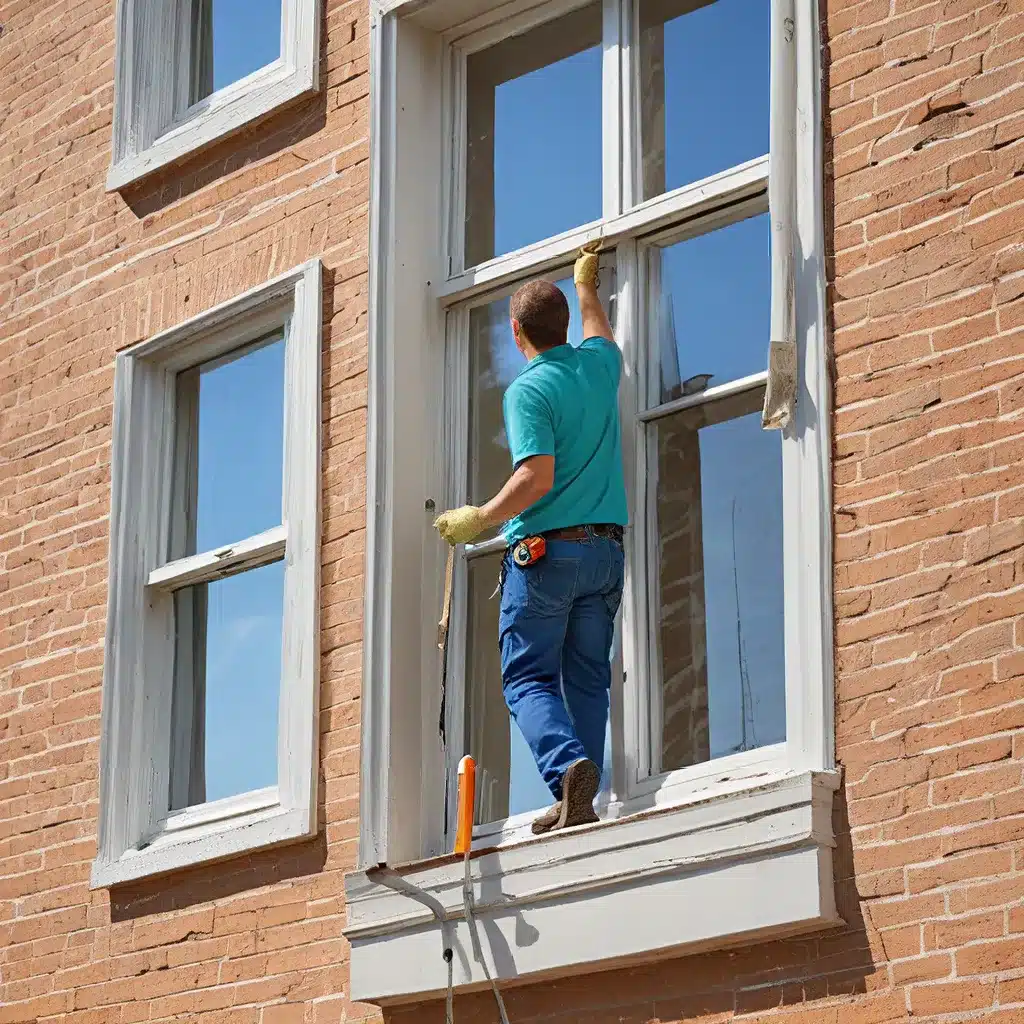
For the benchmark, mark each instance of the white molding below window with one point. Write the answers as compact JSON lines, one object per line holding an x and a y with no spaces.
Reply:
{"x":147,"y":134}
{"x":723,"y":869}
{"x":139,"y":836}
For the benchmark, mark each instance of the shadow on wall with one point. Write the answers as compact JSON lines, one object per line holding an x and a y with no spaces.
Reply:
{"x":799,"y":972}
{"x":263,"y":138}
{"x":210,"y":882}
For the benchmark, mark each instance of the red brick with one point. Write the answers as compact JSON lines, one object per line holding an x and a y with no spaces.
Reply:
{"x":951,"y":997}
{"x":989,"y":957}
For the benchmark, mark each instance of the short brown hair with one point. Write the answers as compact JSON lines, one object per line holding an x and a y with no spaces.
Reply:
{"x":543,"y":314}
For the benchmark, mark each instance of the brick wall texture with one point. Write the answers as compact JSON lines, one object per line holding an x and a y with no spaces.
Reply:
{"x":925,"y":211}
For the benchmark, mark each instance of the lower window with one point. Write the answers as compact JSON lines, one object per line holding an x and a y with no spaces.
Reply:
{"x":700,"y":672}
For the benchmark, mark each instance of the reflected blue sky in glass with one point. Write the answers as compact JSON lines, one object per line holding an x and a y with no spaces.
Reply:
{"x":547,"y":161}
{"x":246,"y":36}
{"x":741,"y":502}
{"x":243,"y":680}
{"x":716,"y":61}
{"x":716,"y":305}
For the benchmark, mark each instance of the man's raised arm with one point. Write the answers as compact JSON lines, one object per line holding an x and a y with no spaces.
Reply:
{"x":595,"y":320}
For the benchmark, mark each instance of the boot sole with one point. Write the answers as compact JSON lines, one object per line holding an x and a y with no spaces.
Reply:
{"x":546,"y":822}
{"x":579,"y":788}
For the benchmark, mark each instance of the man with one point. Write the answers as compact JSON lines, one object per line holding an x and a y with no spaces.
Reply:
{"x":558,"y":612}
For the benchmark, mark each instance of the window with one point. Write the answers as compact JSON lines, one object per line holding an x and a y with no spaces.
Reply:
{"x":210,"y":702}
{"x":647,"y":124}
{"x":183,"y":78}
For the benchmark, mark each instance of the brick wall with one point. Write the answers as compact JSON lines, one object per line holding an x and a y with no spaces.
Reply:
{"x":927,"y":281}
{"x":83,"y":274}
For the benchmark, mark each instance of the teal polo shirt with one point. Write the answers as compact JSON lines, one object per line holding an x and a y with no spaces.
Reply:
{"x":565,"y":403}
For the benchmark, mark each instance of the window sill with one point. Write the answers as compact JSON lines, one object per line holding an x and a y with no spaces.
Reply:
{"x":215,"y":118}
{"x":741,"y":866}
{"x":227,"y":835}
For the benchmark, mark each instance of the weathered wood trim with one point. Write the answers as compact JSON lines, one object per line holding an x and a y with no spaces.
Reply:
{"x":135,"y":834}
{"x":740,"y":866}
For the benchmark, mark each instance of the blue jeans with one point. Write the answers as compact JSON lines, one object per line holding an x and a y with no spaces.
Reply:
{"x":555,"y":634}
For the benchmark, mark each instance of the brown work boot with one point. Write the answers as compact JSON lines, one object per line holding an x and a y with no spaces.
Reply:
{"x":580,"y":784}
{"x":547,"y":821}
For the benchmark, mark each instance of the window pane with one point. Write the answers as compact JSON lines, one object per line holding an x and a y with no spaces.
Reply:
{"x":231,"y":428}
{"x":718,"y":616}
{"x":715,"y":307}
{"x":533,"y":114}
{"x":703,"y":88}
{"x":494,"y":362}
{"x":231,"y":39}
{"x":227,"y":686}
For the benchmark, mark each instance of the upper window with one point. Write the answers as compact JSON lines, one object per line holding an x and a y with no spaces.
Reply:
{"x":190,"y":71}
{"x":210,"y":676}
{"x":667,"y":130}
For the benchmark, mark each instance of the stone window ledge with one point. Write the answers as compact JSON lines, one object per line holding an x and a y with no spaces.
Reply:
{"x":737,"y":866}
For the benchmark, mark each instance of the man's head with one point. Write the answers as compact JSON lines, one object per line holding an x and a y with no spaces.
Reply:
{"x":540,"y":317}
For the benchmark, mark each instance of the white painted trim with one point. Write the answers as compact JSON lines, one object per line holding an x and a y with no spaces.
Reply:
{"x":251,"y":553}
{"x":146,"y":90}
{"x":807,"y":446}
{"x":691,"y":201}
{"x":747,"y":868}
{"x":375,"y":728}
{"x":138,"y":835}
{"x":611,"y":110}
{"x":508,"y":20}
{"x":221,"y":810}
{"x":221,"y":840}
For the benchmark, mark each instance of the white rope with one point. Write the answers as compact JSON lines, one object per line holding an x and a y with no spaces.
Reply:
{"x":467,"y":907}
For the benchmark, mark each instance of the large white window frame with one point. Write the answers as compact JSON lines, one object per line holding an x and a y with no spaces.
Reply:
{"x":419,"y":292}
{"x":154,"y":122}
{"x":139,"y":835}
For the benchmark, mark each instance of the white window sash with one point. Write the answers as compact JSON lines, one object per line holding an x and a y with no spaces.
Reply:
{"x":228,"y":560}
{"x":138,"y":835}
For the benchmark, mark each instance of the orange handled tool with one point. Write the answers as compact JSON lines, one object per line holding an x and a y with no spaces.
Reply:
{"x":467,"y":798}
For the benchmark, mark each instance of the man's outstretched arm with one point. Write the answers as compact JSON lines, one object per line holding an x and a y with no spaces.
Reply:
{"x":532,"y":479}
{"x":595,"y":320}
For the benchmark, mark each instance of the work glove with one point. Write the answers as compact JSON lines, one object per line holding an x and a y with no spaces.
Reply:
{"x":585,"y":271}
{"x":460,"y":525}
